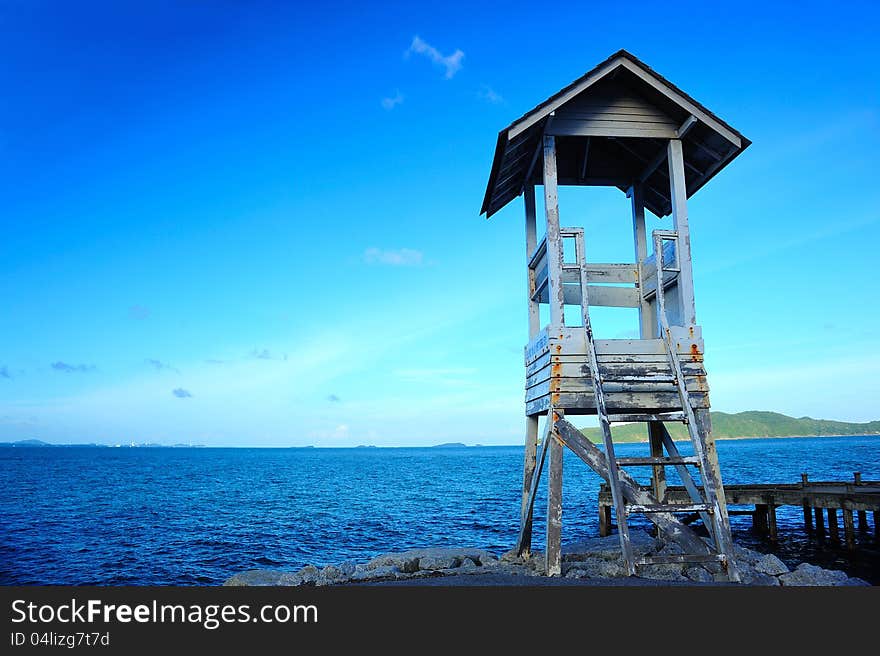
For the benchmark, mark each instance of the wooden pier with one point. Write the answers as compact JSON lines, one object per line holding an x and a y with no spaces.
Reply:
{"x":820,"y":500}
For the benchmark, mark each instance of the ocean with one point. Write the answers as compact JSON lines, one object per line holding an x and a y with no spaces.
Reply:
{"x":196,"y":516}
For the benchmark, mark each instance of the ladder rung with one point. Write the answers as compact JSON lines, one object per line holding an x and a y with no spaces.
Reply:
{"x":681,"y":558}
{"x":631,"y":417}
{"x":667,"y":507}
{"x":637,"y":462}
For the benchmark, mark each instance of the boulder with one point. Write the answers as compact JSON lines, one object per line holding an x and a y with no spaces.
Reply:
{"x":811,"y":575}
{"x":378,"y":573}
{"x":750,"y":576}
{"x":699,"y":574}
{"x":258,"y":577}
{"x":770,"y":564}
{"x":406,"y":561}
{"x":439,"y":562}
{"x":608,"y":547}
{"x":664,"y":572}
{"x":468,"y":566}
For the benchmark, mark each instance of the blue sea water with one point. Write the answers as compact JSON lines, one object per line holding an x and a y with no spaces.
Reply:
{"x":160,"y":516}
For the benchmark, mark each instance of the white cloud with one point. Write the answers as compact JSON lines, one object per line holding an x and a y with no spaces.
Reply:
{"x":491,"y":96}
{"x":391,"y":102}
{"x":452,"y":63}
{"x":399,"y":257}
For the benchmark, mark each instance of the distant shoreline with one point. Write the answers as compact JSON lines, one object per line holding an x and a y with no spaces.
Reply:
{"x":435,"y":447}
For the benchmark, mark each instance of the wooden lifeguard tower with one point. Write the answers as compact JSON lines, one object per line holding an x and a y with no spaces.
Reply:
{"x":620,"y":125}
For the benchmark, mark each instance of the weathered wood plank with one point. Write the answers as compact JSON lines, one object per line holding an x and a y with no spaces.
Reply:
{"x":582,"y":403}
{"x":849,"y":529}
{"x":578,"y":128}
{"x":531,"y":245}
{"x":553,"y":553}
{"x":616,"y":369}
{"x":696,"y":384}
{"x":565,"y":340}
{"x":554,"y":241}
{"x":524,"y":542}
{"x":678,"y":194}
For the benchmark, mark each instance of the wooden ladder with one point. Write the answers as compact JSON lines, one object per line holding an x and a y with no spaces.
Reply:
{"x":625,"y":495}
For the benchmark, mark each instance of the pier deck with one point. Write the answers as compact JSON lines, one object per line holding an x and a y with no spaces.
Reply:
{"x":819,"y":500}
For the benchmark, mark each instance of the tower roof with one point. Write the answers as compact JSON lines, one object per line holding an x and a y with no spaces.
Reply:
{"x":612,"y":125}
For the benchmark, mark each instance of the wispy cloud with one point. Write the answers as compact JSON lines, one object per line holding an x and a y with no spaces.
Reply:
{"x":399,"y":257}
{"x":391,"y":102}
{"x":72,"y":368}
{"x":215,"y":361}
{"x":138,"y":312}
{"x":4,"y":372}
{"x":266,"y":354}
{"x":181,"y":393}
{"x":334,"y":399}
{"x":451,"y":63}
{"x":158,"y":365}
{"x":491,"y":96}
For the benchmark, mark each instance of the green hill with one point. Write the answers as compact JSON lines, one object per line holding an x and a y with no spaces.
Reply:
{"x":753,"y":423}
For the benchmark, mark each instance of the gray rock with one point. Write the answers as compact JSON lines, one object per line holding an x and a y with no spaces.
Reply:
{"x":468,"y":566}
{"x":308,"y":575}
{"x":770,"y":564}
{"x":698,"y":574}
{"x":439,"y":562}
{"x":347,"y":567}
{"x":664,"y":572}
{"x":255,"y":577}
{"x":595,"y":568}
{"x":406,"y":561}
{"x":747,"y":556}
{"x":812,"y":575}
{"x":512,"y":557}
{"x":607,"y":547}
{"x":750,"y":576}
{"x":381,"y":572}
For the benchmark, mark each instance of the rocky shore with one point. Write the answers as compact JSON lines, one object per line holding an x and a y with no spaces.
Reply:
{"x":593,"y":560}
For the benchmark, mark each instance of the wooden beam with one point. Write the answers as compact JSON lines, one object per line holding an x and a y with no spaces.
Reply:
{"x":647,"y":320}
{"x":771,"y":521}
{"x":833,"y":533}
{"x":554,"y":240}
{"x":849,"y":529}
{"x":553,"y":554}
{"x":654,"y":164}
{"x":531,"y":247}
{"x":658,"y":471}
{"x":524,"y":542}
{"x":586,"y":158}
{"x":689,"y":122}
{"x":678,"y":194}
{"x":528,"y":176}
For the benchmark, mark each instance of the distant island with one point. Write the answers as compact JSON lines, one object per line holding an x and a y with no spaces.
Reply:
{"x":450,"y":445}
{"x":753,"y":423}
{"x":130,"y":445}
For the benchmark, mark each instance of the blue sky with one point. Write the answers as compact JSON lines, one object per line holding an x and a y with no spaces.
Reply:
{"x":249,"y":223}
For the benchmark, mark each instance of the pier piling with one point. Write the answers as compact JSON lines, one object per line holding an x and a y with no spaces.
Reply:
{"x":848,"y":530}
{"x":832,"y":525}
{"x":820,"y":522}
{"x":771,"y":520}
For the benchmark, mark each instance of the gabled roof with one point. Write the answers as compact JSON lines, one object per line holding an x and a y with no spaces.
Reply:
{"x":589,"y":152}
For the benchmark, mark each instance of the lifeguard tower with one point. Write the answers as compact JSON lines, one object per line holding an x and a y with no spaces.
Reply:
{"x":620,"y":125}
